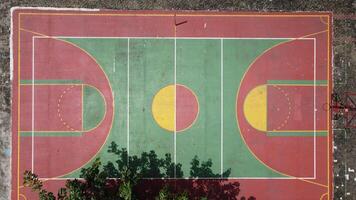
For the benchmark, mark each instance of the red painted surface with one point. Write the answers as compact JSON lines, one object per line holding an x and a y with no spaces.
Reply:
{"x":69,"y":62}
{"x":56,"y":60}
{"x":186,"y":107}
{"x":61,"y":65}
{"x":292,"y":108}
{"x":57,"y":108}
{"x":261,"y":189}
{"x":293,"y":156}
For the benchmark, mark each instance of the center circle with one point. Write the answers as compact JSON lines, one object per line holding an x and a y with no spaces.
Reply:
{"x":175,"y":108}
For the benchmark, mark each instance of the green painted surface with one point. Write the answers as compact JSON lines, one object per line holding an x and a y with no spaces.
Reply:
{"x":51,"y":81}
{"x":238,"y":56}
{"x":198,"y":66}
{"x":93,"y":107}
{"x":298,"y":82}
{"x":151,"y":68}
{"x":51,"y":134}
{"x":297,"y":134}
{"x":111,"y":55}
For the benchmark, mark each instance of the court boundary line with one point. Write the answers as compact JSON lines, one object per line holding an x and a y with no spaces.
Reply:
{"x":208,"y":178}
{"x":175,"y":100}
{"x":314,"y":106}
{"x":304,"y":85}
{"x":89,"y":12}
{"x":329,"y":77}
{"x":175,"y":39}
{"x":269,"y":177}
{"x":197,"y":38}
{"x":33,"y":108}
{"x":18,"y":100}
{"x":175,"y":83}
{"x":222,"y":107}
{"x":128,"y":100}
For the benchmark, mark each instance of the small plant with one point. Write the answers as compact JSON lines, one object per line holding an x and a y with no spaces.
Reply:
{"x":164,"y":194}
{"x":31,"y":180}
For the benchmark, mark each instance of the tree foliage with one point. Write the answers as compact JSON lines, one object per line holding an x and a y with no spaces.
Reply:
{"x":124,"y":179}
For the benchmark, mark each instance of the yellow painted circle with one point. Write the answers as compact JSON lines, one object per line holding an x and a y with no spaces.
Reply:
{"x":163,"y":108}
{"x":255,"y":108}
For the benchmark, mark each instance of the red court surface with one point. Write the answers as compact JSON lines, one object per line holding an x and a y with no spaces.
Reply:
{"x":64,"y":103}
{"x":54,"y":113}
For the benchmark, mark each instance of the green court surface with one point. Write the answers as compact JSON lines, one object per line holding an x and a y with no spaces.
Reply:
{"x":212,"y":68}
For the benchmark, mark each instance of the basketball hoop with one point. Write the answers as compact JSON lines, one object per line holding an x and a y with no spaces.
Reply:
{"x":345,"y":108}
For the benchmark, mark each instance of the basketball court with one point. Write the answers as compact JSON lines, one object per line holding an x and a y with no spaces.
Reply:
{"x":246,"y":90}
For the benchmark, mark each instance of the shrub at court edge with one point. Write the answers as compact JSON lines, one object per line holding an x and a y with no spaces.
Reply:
{"x":31,"y":180}
{"x":122,"y":179}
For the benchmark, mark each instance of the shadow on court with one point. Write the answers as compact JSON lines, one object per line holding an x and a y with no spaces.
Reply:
{"x":126,"y":178}
{"x":162,"y":172}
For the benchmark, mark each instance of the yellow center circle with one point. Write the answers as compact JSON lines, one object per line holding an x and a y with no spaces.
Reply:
{"x":163,"y":107}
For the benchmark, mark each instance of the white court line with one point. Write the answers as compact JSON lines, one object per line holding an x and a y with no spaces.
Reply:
{"x":315,"y":109}
{"x":221,"y":106}
{"x":175,"y":81}
{"x":202,"y":38}
{"x":33,"y":108}
{"x":175,"y":106}
{"x":128,"y":98}
{"x":202,"y":178}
